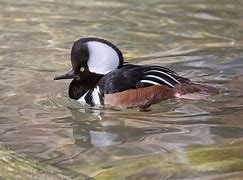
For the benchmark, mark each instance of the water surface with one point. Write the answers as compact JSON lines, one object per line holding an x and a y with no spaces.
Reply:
{"x":201,"y":40}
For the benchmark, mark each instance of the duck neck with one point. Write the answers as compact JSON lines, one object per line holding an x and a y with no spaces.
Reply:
{"x":78,"y":88}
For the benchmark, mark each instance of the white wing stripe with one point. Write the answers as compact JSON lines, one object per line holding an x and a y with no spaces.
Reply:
{"x":150,"y":82}
{"x":163,"y":80}
{"x":164,"y":74}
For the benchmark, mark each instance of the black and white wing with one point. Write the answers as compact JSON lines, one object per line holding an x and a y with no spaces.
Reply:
{"x":138,"y":76}
{"x":156,"y":75}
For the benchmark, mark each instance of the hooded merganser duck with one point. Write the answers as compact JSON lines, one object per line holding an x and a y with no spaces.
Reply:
{"x":100,"y":77}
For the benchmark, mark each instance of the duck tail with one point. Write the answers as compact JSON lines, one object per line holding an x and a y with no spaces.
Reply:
{"x":194,"y":91}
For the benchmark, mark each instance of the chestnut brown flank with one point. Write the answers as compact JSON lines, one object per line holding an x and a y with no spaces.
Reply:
{"x":141,"y":97}
{"x":144,"y":97}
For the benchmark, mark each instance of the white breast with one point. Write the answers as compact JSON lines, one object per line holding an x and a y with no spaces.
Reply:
{"x":96,"y":96}
{"x":81,"y":99}
{"x":102,"y":58}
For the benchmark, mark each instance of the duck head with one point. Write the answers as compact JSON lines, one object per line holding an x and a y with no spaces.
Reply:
{"x":90,"y":56}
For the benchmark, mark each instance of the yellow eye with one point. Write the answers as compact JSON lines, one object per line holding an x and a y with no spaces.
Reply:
{"x":82,"y":69}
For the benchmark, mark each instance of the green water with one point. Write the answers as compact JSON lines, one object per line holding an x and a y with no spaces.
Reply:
{"x":201,"y":40}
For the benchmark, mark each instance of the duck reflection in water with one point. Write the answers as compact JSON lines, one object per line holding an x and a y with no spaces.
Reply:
{"x":100,"y":132}
{"x":95,"y":133}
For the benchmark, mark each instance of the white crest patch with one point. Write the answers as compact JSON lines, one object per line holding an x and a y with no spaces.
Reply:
{"x":102,"y":58}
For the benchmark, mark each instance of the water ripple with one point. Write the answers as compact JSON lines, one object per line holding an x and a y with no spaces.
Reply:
{"x":201,"y":40}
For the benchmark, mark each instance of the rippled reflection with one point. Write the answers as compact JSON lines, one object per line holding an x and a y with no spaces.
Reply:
{"x":110,"y":131}
{"x":201,"y":40}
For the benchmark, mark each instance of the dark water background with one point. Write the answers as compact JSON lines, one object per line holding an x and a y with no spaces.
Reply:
{"x":201,"y":40}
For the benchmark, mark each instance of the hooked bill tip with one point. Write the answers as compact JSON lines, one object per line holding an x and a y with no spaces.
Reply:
{"x":69,"y":75}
